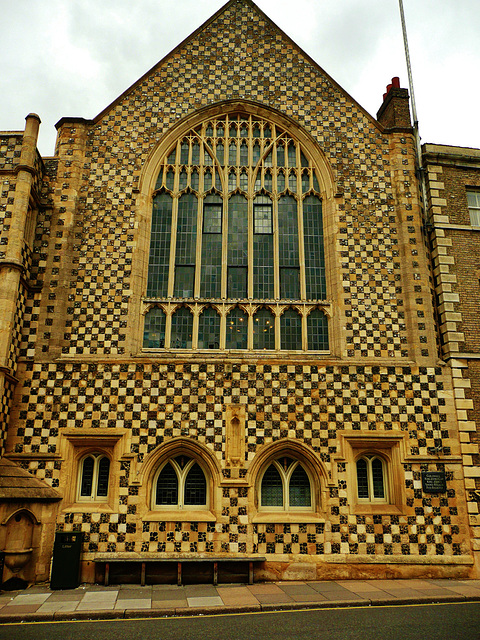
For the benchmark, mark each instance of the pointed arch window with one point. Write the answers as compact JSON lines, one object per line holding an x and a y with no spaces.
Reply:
{"x":180,"y":483}
{"x":237,"y":216}
{"x":154,"y":329}
{"x":182,"y":329}
{"x":264,"y":330}
{"x":209,"y":329}
{"x":237,"y":330}
{"x":285,"y":485}
{"x":317,"y":331}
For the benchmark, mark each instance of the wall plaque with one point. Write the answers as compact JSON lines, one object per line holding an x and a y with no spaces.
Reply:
{"x":434,"y":481}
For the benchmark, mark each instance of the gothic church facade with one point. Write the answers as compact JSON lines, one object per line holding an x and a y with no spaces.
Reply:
{"x":218,"y":336}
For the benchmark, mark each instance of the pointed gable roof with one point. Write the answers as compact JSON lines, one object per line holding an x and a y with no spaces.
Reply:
{"x":237,"y":9}
{"x":16,"y":484}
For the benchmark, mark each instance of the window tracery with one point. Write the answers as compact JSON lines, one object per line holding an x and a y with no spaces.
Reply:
{"x":237,"y":217}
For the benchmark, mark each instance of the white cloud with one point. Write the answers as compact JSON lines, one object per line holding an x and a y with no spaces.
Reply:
{"x":63,"y":58}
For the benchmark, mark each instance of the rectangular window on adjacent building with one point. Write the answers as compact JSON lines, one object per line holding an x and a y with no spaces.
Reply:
{"x":473,"y":199}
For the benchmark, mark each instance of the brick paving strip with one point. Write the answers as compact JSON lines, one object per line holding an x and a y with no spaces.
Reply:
{"x":129,"y":601}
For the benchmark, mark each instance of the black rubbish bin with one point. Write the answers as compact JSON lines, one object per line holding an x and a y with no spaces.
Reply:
{"x":66,"y":560}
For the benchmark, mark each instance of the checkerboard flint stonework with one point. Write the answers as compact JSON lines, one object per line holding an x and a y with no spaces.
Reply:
{"x":75,"y":378}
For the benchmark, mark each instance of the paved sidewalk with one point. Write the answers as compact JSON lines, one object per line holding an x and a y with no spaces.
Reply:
{"x":129,"y":601}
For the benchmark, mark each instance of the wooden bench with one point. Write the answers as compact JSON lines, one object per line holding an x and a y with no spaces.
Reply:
{"x":215,"y":560}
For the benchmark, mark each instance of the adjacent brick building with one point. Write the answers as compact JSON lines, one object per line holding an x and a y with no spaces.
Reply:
{"x":453,"y":180}
{"x":220,"y":338}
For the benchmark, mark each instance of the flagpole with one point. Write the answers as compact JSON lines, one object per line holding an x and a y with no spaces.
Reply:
{"x":416,"y":132}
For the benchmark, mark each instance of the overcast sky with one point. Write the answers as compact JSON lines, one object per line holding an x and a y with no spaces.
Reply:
{"x":73,"y":57}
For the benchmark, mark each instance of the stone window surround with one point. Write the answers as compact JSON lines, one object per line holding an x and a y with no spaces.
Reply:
{"x":390,"y":447}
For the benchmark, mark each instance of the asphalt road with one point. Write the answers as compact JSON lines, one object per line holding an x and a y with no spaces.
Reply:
{"x":455,"y":621}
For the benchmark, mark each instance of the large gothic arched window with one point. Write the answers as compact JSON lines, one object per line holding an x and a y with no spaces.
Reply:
{"x":237,"y":236}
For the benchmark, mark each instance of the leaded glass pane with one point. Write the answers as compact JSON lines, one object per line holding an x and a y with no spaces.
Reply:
{"x":256,"y":153}
{"x":244,"y":154}
{"x":317,"y":331}
{"x":212,"y":218}
{"x":207,"y":159}
{"x":281,"y":182}
{"x":291,"y":330}
{"x":209,"y":330}
{"x":182,"y":325}
{"x":244,"y":181}
{"x":87,"y":477}
{"x":211,"y":273}
{"x":237,"y":251}
{"x":184,"y":281}
{"x":159,"y":257}
{"x":305,"y":182}
{"x":167,"y":486}
{"x":362,"y":478}
{"x":314,"y":257}
{"x":184,"y":153}
{"x":292,"y":155}
{"x":263,"y":271}
{"x":154,"y":329}
{"x":267,"y":180}
{"x":237,"y":282}
{"x":299,"y":489}
{"x":290,"y":283}
{"x":377,"y":478}
{"x":195,"y":487}
{"x":182,"y":184}
{"x":195,"y":153}
{"x":264,"y":330}
{"x":232,"y":154}
{"x":207,"y":181}
{"x":262,"y":213}
{"x":237,"y":325}
{"x":271,"y":492}
{"x":194,"y":180}
{"x":186,"y":229}
{"x":102,"y":480}
{"x":170,"y":182}
{"x":232,"y":181}
{"x":288,"y":232}
{"x":221,"y":154}
{"x":280,"y":155}
{"x":292,"y":181}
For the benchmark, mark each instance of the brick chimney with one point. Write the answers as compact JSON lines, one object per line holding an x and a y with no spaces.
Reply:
{"x":395,"y":110}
